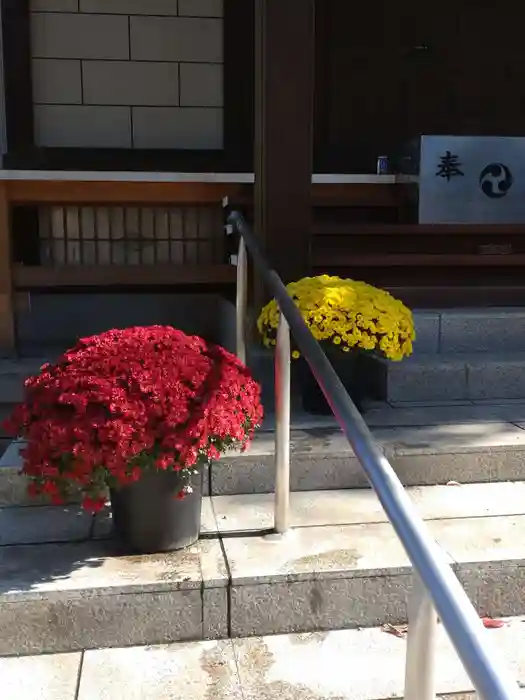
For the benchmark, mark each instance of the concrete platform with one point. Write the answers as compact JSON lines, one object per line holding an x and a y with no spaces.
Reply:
{"x":63,"y":586}
{"x":320,"y":666}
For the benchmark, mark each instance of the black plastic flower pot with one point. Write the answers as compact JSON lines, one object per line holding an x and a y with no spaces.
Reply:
{"x":349,"y":370}
{"x":149,"y":517}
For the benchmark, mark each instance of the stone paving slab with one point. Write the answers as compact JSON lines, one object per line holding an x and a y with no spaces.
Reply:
{"x":201,"y":671}
{"x":254,"y":512}
{"x":51,"y":677}
{"x":425,"y":446}
{"x":365,"y":664}
{"x":468,"y":451}
{"x":334,"y":577}
{"x":36,"y":524}
{"x":95,"y":568}
{"x":57,"y":598}
{"x":327,"y":552}
{"x":456,"y":376}
{"x":324,"y":575}
{"x":354,"y":665}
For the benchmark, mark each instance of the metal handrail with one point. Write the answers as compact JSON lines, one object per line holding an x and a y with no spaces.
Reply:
{"x":436,"y":588}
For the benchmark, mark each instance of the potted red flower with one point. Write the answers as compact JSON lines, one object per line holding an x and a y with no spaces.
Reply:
{"x":139,"y":412}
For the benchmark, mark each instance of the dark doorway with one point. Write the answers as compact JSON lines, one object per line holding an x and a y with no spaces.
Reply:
{"x":387,"y":72}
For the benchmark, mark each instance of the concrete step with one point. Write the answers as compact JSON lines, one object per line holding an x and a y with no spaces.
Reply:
{"x":427,"y":377}
{"x":13,"y":373}
{"x":320,"y":666}
{"x":63,"y":588}
{"x":457,"y":376}
{"x":470,"y":330}
{"x":425,"y":444}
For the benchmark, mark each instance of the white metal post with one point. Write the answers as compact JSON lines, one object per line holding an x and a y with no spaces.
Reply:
{"x":282,"y":427}
{"x":420,"y":682}
{"x":241,"y":306}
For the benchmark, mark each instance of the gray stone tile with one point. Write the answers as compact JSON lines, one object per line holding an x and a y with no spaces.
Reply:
{"x":73,"y":623}
{"x":92,"y":570}
{"x":494,"y":377}
{"x":330,"y":552}
{"x":54,"y":5}
{"x":12,"y":456}
{"x":208,"y":521}
{"x":484,"y":330}
{"x":517,"y":403}
{"x":12,"y":387}
{"x":23,"y":367}
{"x":495,"y":590}
{"x":33,"y":525}
{"x":257,"y":475}
{"x":483,"y":539}
{"x":430,"y":404}
{"x":420,"y":380}
{"x":201,"y":85}
{"x":322,"y":459}
{"x":201,"y":8}
{"x":40,"y":677}
{"x":86,"y":126}
{"x":300,"y":420}
{"x":344,"y":664}
{"x":56,"y":81}
{"x":175,"y":672}
{"x":56,"y":35}
{"x":466,"y":467}
{"x":314,"y":605}
{"x":253,"y":512}
{"x":178,"y":127}
{"x":182,"y":39}
{"x":129,"y":7}
{"x":414,"y":416}
{"x":130,"y":83}
{"x":215,"y":613}
{"x":452,"y":438}
{"x":427,"y":332}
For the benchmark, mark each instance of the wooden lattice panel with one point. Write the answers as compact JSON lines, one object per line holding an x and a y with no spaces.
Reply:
{"x":114,"y":235}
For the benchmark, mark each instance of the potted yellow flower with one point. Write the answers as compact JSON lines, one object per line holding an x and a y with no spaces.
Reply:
{"x":354,"y":322}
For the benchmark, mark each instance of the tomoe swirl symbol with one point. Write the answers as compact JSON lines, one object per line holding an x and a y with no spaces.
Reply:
{"x":495,"y":180}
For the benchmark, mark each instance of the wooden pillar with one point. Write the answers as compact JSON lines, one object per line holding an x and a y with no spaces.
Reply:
{"x":7,"y":324}
{"x":284,"y":89}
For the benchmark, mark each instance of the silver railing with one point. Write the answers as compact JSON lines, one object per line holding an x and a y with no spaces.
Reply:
{"x":436,"y":589}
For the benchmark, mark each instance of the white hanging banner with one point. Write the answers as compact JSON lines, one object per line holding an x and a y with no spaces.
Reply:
{"x":472,"y":180}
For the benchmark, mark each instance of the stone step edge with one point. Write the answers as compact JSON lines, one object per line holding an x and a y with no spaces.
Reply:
{"x":331,"y":464}
{"x":325,"y":440}
{"x":250,"y":559}
{"x":248,"y":664}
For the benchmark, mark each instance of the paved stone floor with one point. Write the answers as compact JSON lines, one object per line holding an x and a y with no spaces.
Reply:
{"x":343,"y":665}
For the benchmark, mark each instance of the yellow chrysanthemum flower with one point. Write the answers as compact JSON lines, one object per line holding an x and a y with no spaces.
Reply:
{"x":347,"y":314}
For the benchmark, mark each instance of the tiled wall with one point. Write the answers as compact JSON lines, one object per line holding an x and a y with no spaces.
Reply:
{"x":128,"y":73}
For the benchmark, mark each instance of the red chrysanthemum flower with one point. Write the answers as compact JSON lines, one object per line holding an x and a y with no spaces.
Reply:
{"x":128,"y":400}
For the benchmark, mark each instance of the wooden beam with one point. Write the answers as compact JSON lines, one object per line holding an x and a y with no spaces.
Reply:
{"x":7,"y":322}
{"x":28,"y":277}
{"x":284,"y":89}
{"x":133,"y":193}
